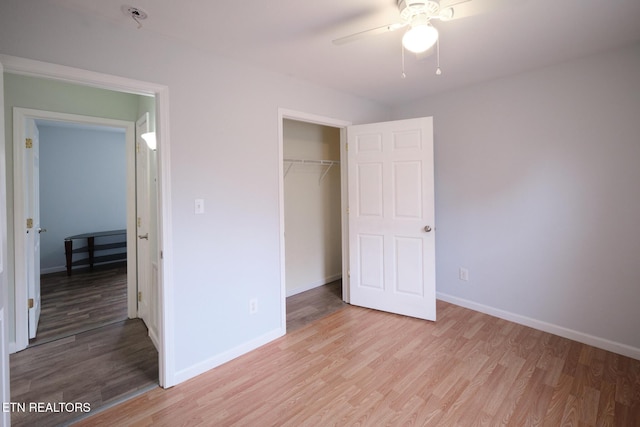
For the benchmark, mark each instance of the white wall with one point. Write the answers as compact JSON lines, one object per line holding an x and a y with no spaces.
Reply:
{"x":311,"y":207}
{"x":537,"y":195}
{"x":83,"y":187}
{"x":224,"y":149}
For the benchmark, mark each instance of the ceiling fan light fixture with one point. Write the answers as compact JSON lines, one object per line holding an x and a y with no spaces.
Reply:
{"x":419,"y":38}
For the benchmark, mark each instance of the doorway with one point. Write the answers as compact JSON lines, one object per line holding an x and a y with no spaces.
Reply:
{"x":312,"y":219}
{"x":84,"y":78}
{"x":103,"y":199}
{"x":75,"y":296}
{"x":387,"y":240}
{"x":124,"y":217}
{"x":312,"y":216}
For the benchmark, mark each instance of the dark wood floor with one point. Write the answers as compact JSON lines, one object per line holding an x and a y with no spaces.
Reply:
{"x":314,"y":304}
{"x":83,"y":301}
{"x":97,"y":367}
{"x":85,"y":349}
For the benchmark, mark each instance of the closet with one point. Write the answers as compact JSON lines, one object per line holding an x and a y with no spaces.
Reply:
{"x":312,"y":214}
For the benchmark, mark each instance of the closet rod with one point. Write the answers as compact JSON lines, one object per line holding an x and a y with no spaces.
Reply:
{"x":328,"y":163}
{"x":313,"y":161}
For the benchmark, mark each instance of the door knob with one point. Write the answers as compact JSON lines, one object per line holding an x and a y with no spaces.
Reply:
{"x":42,"y":230}
{"x":146,"y":236}
{"x":427,"y":228}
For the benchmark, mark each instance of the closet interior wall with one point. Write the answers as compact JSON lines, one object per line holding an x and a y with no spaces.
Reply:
{"x":312,"y":217}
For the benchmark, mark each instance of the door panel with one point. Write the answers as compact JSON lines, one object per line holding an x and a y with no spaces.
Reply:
{"x":370,"y":194}
{"x":371,"y":261}
{"x":391,"y":200}
{"x":409,"y":259}
{"x":407,"y":183}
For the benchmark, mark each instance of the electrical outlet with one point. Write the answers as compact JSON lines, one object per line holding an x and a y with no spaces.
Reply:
{"x":253,"y":306}
{"x":463,"y":274}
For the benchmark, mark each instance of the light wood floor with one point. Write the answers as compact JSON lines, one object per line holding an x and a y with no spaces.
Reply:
{"x":370,"y":368}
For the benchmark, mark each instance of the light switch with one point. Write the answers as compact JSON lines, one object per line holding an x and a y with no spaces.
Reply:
{"x":199,"y":206}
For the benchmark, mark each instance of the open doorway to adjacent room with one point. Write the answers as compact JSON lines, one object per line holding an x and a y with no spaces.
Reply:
{"x":84,"y":172}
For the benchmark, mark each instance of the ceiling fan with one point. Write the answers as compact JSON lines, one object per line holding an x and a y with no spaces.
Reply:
{"x":417,"y":15}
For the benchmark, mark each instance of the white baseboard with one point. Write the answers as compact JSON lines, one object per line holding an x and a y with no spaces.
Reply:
{"x":312,"y":285}
{"x":623,"y":349}
{"x":154,"y":339}
{"x":204,"y":366}
{"x":53,"y":269}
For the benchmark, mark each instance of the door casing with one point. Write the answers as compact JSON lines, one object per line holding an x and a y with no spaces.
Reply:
{"x":5,"y":393}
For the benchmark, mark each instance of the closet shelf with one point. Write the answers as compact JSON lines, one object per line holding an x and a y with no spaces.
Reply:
{"x":327,"y":163}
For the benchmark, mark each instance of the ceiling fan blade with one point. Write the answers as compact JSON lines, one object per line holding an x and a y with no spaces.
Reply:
{"x":447,"y":12}
{"x":367,"y":33}
{"x":452,"y":3}
{"x":466,"y":8}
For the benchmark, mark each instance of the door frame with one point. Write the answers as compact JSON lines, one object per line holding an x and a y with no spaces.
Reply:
{"x":299,"y":116}
{"x":20,"y":115}
{"x":22,"y":66}
{"x":5,"y":394}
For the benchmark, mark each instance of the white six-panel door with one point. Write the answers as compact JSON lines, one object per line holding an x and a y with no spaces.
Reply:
{"x":391,"y":217}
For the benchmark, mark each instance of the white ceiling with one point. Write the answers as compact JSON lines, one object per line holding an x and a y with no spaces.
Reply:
{"x":294,"y":37}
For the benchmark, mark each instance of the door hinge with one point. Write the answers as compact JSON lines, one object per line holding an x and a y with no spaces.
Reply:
{"x":346,"y":147}
{"x":139,"y":222}
{"x":29,"y":222}
{"x":137,"y":147}
{"x":30,"y":303}
{"x":29,"y":143}
{"x":161,"y":255}
{"x":347,"y":211}
{"x":140,"y":296}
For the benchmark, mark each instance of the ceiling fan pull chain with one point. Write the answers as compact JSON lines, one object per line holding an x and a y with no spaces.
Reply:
{"x":438,"y":69}
{"x":404,"y":76}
